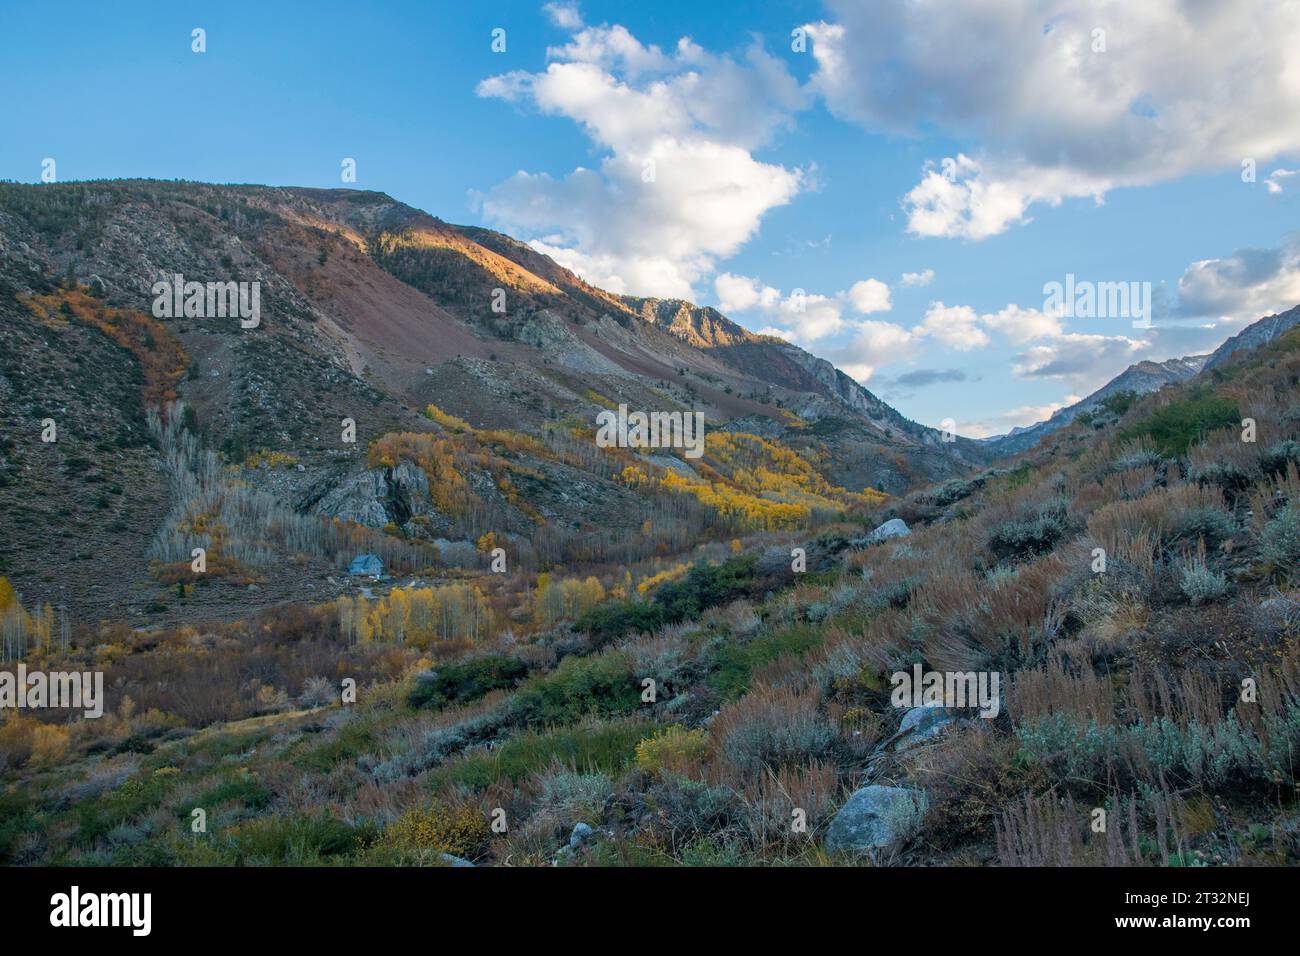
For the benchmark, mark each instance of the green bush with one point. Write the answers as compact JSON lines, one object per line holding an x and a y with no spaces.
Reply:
{"x":465,"y":681}
{"x":706,"y":586}
{"x":293,"y":841}
{"x":703,"y":587}
{"x":590,"y":748}
{"x":602,"y":685}
{"x":609,"y":621}
{"x":1181,"y":423}
{"x":1119,"y":403}
{"x":731,"y":664}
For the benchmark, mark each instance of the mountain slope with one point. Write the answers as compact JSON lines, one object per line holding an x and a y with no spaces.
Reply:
{"x":1257,"y":333}
{"x":1140,"y":378}
{"x":377,"y":314}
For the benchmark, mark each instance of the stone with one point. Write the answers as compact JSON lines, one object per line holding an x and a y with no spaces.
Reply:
{"x":924,"y":723}
{"x":893,"y":528}
{"x":875,"y":818}
{"x":582,"y":832}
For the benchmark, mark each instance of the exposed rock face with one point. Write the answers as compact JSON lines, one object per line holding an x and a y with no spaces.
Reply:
{"x":547,"y":332}
{"x":876,"y":818}
{"x":379,"y":496}
{"x":1255,"y":334}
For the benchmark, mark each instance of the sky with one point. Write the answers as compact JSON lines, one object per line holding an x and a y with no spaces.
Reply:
{"x":894,"y":186}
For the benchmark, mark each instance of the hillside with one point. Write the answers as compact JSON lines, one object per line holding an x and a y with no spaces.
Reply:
{"x":377,"y":313}
{"x":1139,"y":379}
{"x":1131,"y":584}
{"x":1145,"y":377}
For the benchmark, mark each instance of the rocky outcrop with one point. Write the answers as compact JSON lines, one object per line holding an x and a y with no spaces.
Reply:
{"x":378,"y":496}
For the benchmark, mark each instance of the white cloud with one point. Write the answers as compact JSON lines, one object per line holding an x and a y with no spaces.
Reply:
{"x":956,"y":326}
{"x":870,"y":295}
{"x":1086,"y":361}
{"x":799,"y":316}
{"x":678,"y":187}
{"x":1023,"y":325}
{"x":564,"y":15}
{"x":1242,"y":287}
{"x":1274,"y":179}
{"x":1180,"y":87}
{"x":922,"y":278}
{"x":739,"y":293}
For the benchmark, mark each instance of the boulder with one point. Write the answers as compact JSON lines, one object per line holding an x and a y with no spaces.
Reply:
{"x":1279,"y":613}
{"x":893,"y":528}
{"x":924,"y":723}
{"x":876,"y":818}
{"x":580,"y":835}
{"x":451,"y":860}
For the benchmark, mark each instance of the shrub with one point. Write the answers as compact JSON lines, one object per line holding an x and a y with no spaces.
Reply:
{"x":1279,"y":542}
{"x":317,"y":692}
{"x":1176,"y":426}
{"x":624,"y":617}
{"x":1028,"y":537}
{"x":705,"y":586}
{"x":770,"y":727}
{"x":1201,"y":585}
{"x":571,"y":793}
{"x":463,"y":831}
{"x":590,"y":747}
{"x":674,"y":749}
{"x":602,"y":685}
{"x":294,"y":841}
{"x":465,"y":681}
{"x":1119,"y":402}
{"x":1196,"y":521}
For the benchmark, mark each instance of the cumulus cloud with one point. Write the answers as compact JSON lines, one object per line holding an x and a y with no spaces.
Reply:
{"x":564,"y":15}
{"x":957,"y":327}
{"x":1241,"y":287}
{"x":922,"y":278}
{"x":677,"y":187}
{"x":870,"y":295}
{"x":1082,"y":359}
{"x":1064,"y":99}
{"x":799,"y":316}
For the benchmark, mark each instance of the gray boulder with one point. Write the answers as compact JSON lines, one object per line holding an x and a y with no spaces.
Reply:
{"x":580,"y":835}
{"x":876,"y":818}
{"x":893,"y":528}
{"x":1279,"y":613}
{"x":451,"y":860}
{"x":924,"y":724}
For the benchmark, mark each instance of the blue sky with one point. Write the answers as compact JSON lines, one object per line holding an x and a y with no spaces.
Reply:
{"x":771,"y":170}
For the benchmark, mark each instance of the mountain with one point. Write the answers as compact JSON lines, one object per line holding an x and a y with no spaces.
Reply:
{"x":1257,"y":333}
{"x":1140,"y":378}
{"x":1147,"y":377}
{"x":495,"y":358}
